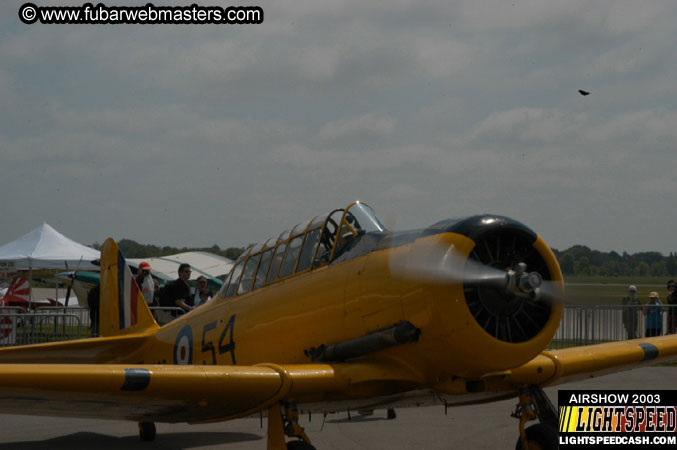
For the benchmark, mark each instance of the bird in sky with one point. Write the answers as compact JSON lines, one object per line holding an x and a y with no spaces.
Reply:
{"x":583,"y":93}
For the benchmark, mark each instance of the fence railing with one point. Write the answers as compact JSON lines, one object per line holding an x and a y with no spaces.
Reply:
{"x":23,"y":329}
{"x":586,"y":325}
{"x":81,"y":311}
{"x":580,"y":325}
{"x":164,"y":315}
{"x":55,"y":323}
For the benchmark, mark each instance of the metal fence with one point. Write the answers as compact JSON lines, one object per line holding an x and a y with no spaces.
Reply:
{"x":8,"y":325}
{"x":19,"y":328}
{"x":580,"y":325}
{"x":164,"y":315}
{"x":50,"y":324}
{"x":82,"y":312}
{"x":586,"y":325}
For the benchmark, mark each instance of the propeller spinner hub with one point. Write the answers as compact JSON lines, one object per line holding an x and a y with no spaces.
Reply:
{"x":506,"y":305}
{"x":529,"y":282}
{"x":522,"y":283}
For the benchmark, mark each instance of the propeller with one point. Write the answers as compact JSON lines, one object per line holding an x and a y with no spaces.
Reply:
{"x":72,"y":276}
{"x":505,"y":281}
{"x":454,"y":267}
{"x":553,"y":291}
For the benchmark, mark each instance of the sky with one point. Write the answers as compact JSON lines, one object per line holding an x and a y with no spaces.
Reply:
{"x":194,"y":135}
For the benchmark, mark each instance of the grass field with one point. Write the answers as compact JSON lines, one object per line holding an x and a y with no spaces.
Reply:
{"x":610,"y":290}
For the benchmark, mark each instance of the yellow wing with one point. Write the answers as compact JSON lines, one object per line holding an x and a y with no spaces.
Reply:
{"x":168,"y":393}
{"x":152,"y":393}
{"x":570,"y":364}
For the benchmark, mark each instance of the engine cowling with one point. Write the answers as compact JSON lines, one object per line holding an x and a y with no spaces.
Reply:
{"x":487,"y":307}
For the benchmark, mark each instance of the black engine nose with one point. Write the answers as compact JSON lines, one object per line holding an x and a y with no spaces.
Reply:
{"x":508,"y":310}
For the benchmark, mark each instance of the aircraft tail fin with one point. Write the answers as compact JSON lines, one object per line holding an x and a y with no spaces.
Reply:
{"x":122,"y":308}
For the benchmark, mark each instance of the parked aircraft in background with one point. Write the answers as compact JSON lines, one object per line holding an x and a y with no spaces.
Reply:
{"x":17,"y":295}
{"x":164,"y":269}
{"x":337,"y":313}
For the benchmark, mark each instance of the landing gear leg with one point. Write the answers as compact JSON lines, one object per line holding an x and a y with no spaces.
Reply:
{"x":292,"y":428}
{"x":147,"y":431}
{"x":276,"y":440}
{"x":278,"y":428}
{"x":534,"y":404}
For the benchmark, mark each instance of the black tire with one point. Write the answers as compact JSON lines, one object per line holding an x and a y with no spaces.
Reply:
{"x":542,"y":436}
{"x":391,"y":414}
{"x":147,"y":431}
{"x":299,"y":445}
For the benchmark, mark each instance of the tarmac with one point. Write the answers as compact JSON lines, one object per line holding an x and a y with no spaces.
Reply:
{"x":486,"y":426}
{"x":43,"y":293}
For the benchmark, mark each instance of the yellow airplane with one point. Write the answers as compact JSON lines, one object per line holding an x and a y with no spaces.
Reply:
{"x":336,"y":314}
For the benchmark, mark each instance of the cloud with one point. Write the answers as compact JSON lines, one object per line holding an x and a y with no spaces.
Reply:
{"x":441,"y":58}
{"x":403,"y":192}
{"x":367,"y":125}
{"x":660,"y":184}
{"x":614,"y":17}
{"x":6,"y":85}
{"x":431,"y":109}
{"x":646,"y":125}
{"x":528,"y":125}
{"x":319,"y":64}
{"x":137,"y":121}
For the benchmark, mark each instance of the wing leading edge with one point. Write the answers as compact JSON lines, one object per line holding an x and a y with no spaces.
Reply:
{"x":575,"y":363}
{"x":140,"y":393}
{"x":169,"y":393}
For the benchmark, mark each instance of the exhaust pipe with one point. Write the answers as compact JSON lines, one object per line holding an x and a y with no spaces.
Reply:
{"x":373,"y":342}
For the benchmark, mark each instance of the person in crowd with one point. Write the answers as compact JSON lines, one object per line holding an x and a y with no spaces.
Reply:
{"x":93,"y":302}
{"x":202,"y":292}
{"x":654,"y":316}
{"x":672,"y":307}
{"x":178,"y":292}
{"x":630,"y":312}
{"x":146,"y":283}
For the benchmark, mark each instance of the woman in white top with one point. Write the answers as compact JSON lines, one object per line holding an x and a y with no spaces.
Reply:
{"x":202,"y":294}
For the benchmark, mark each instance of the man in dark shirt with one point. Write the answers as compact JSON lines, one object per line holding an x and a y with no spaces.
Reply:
{"x":672,"y":305}
{"x":93,"y":303}
{"x":178,"y":291}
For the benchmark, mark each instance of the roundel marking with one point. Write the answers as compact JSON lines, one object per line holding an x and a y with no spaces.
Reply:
{"x":183,"y":346}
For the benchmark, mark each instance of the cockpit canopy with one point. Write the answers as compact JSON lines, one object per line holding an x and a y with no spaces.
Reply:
{"x":306,"y":246}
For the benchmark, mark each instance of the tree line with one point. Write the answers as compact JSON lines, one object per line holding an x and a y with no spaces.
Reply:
{"x":133,"y":249}
{"x":580,"y":260}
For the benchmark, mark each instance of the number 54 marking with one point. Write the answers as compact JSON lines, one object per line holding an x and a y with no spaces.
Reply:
{"x":226,"y":343}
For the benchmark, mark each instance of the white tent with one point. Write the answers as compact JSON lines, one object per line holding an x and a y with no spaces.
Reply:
{"x":202,"y":263}
{"x":46,"y":248}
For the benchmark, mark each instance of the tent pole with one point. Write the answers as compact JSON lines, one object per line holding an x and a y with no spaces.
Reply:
{"x":30,"y":285}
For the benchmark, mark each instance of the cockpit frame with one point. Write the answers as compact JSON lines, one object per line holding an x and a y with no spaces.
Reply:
{"x":307,"y":246}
